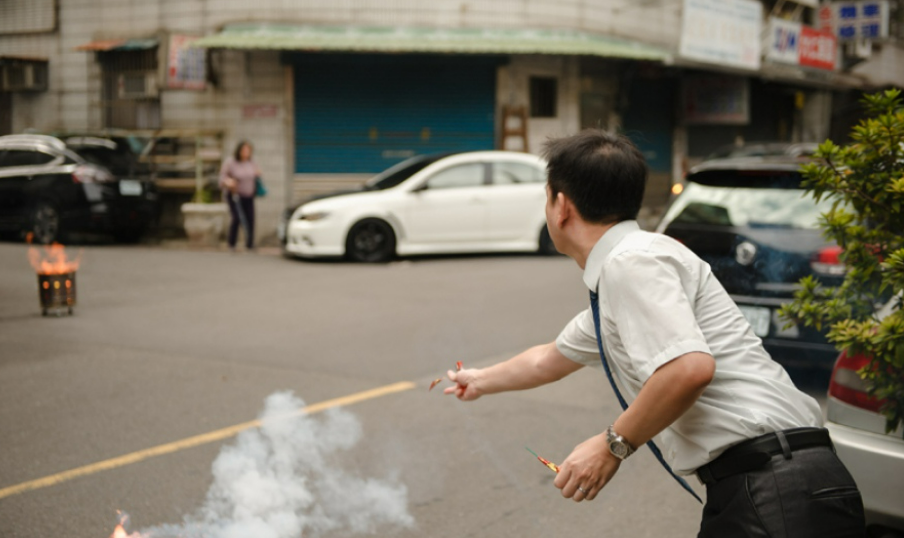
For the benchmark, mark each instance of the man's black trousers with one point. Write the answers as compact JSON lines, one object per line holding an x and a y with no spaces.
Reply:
{"x":802,"y":494}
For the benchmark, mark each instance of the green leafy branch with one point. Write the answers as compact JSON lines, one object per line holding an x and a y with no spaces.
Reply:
{"x":865,"y":182}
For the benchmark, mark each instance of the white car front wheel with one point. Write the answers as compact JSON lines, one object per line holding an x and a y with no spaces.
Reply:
{"x":370,"y":241}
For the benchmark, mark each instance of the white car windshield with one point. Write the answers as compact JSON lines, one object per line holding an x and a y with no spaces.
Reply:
{"x":395,"y":175}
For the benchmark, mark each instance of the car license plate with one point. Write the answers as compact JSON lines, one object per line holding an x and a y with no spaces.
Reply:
{"x":758,"y":317}
{"x":130,"y":187}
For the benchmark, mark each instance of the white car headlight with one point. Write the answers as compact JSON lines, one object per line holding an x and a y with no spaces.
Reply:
{"x":312,"y":216}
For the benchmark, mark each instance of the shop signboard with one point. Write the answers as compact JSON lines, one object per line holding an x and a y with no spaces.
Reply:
{"x":783,"y":41}
{"x":723,"y":32}
{"x":866,"y":19}
{"x":793,"y":43}
{"x":186,"y":66}
{"x":818,"y":49}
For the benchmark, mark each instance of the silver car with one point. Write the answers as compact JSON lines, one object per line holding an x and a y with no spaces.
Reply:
{"x":874,"y":458}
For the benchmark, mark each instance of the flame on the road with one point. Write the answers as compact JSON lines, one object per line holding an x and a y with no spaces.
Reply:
{"x":120,"y":530}
{"x":52,"y":260}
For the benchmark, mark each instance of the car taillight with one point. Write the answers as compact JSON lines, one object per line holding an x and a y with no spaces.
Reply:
{"x":90,"y":174}
{"x":827,"y":262}
{"x":82,"y":174}
{"x":847,"y":385}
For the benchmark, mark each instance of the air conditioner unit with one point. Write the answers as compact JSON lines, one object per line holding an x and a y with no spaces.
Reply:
{"x":23,"y":76}
{"x":139,"y":85}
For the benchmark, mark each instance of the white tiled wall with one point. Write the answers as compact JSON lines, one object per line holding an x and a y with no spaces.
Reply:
{"x":257,"y":78}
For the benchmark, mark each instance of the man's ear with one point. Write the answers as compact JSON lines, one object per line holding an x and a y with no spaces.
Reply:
{"x":565,"y":209}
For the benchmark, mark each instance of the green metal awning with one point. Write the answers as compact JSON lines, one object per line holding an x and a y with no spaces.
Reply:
{"x":435,"y":40}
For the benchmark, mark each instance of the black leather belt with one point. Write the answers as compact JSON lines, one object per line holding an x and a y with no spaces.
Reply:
{"x":754,"y":453}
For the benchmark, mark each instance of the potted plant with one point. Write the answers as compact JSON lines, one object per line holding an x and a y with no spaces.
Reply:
{"x":204,"y":217}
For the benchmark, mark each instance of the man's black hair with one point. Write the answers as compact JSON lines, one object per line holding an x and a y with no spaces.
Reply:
{"x":604,"y":174}
{"x":237,"y":154}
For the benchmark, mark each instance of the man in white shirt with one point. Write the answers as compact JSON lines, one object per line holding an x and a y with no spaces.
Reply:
{"x":672,"y":341}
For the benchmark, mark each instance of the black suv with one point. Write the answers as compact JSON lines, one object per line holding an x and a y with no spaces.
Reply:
{"x":50,"y":186}
{"x":759,"y":231}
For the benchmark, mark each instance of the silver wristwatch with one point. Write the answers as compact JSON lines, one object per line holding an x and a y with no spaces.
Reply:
{"x":619,"y":448}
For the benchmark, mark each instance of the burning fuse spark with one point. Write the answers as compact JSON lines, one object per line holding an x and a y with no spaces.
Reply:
{"x":544,"y":461}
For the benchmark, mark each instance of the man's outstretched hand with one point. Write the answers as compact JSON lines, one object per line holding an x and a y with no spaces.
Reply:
{"x":467,"y":384}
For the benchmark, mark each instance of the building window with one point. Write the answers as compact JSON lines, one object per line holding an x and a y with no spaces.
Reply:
{"x":27,"y":16}
{"x":22,"y":74}
{"x":130,"y":96}
{"x":543,"y":97}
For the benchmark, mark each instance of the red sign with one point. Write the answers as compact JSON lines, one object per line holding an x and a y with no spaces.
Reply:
{"x":259,"y":111}
{"x":818,"y":49}
{"x":826,"y":19}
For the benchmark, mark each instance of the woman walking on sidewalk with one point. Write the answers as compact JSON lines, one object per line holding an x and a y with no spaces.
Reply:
{"x":237,"y":179}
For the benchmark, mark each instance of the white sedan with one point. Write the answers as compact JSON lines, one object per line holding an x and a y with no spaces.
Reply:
{"x":874,"y":457}
{"x":486,"y":201}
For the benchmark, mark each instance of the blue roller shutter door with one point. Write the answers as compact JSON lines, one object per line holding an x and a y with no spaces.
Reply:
{"x":362,"y":114}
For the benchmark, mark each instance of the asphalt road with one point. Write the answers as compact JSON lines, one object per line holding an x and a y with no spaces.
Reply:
{"x":169,"y":344}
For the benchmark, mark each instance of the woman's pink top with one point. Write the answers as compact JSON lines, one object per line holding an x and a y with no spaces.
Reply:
{"x":243,"y":172}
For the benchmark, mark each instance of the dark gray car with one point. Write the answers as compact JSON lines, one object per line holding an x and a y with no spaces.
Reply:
{"x":49,"y":188}
{"x":751,"y":220}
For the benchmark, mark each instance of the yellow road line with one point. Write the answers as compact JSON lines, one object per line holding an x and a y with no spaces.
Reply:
{"x":196,"y":440}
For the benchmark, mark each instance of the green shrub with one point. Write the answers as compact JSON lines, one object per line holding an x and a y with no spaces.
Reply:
{"x":865,"y":181}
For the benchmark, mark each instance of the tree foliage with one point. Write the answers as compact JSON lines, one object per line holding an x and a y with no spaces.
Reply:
{"x":865,"y":181}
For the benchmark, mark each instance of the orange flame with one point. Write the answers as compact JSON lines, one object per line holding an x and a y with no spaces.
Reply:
{"x":120,"y":530}
{"x":52,"y":260}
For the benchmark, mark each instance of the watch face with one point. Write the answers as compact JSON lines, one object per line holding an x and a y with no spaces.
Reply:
{"x":619,"y":449}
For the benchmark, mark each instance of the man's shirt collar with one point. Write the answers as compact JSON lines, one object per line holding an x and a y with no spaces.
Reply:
{"x":594,"y":266}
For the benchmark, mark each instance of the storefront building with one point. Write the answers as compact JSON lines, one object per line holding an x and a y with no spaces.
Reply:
{"x":331,"y":94}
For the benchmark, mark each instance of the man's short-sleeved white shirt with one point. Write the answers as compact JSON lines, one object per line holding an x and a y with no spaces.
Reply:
{"x":659,"y":301}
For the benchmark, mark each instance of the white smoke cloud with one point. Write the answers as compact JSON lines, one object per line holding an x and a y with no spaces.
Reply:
{"x":279,"y":481}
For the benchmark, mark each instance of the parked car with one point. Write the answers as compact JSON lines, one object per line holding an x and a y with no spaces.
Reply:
{"x":759,"y":231}
{"x":487,"y":201}
{"x":765,"y":149}
{"x":874,"y":458}
{"x":388,"y":178}
{"x":49,"y":187}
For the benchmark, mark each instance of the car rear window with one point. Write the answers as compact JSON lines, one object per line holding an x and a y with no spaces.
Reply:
{"x":746,"y":198}
{"x":119,"y":161}
{"x":756,"y":179}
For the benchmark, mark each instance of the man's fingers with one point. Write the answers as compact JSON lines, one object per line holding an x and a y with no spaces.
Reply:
{"x":453,"y":378}
{"x":577,"y":486}
{"x":460,"y":386}
{"x":562,"y":479}
{"x":584,"y":493}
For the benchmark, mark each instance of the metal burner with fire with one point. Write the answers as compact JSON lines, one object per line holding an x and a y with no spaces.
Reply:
{"x":56,"y":279}
{"x":57,"y":293}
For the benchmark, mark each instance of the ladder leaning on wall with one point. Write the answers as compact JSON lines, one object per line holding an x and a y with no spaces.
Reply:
{"x":514,"y":125}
